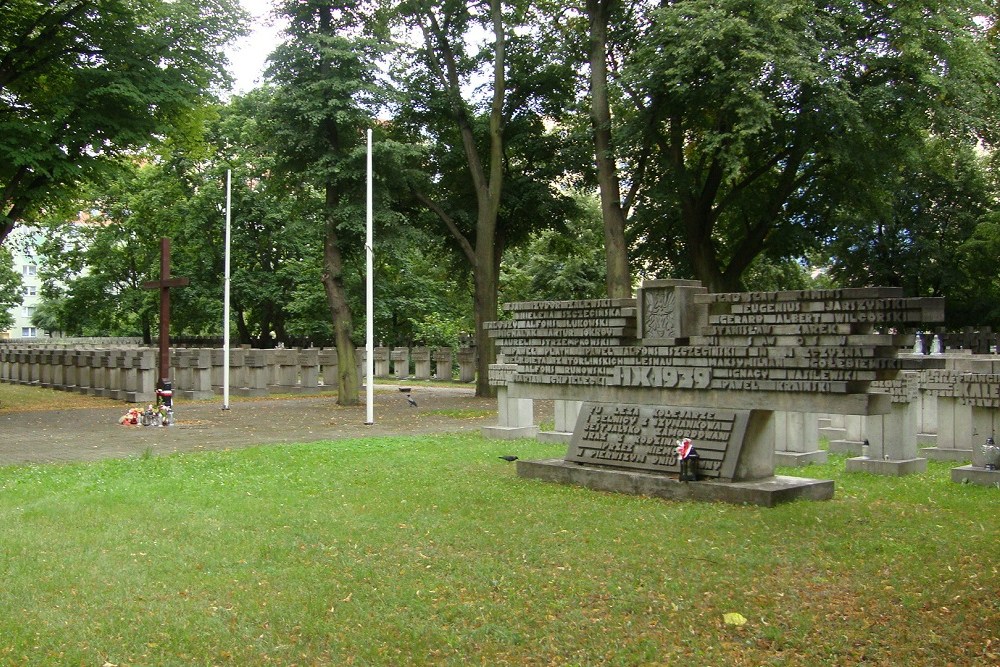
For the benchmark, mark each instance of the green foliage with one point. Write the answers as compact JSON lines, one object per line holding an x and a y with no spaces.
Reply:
{"x":758,"y":122}
{"x":925,"y":233}
{"x":749,"y":134}
{"x":421,"y":296}
{"x":93,"y":272}
{"x":10,"y":288}
{"x":436,"y":331}
{"x":976,"y":299}
{"x":85,"y":84}
{"x":51,"y":315}
{"x":559,"y":264}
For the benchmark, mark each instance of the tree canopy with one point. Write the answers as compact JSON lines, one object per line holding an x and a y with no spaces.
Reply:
{"x":83,"y":82}
{"x":745,"y":143}
{"x":759,"y":120}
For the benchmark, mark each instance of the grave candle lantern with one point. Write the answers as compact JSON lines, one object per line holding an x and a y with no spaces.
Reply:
{"x":991,"y":454}
{"x":688,"y":457}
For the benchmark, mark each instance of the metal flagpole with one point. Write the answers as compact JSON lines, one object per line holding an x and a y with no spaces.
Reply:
{"x":370,"y":322}
{"x":225,"y":307}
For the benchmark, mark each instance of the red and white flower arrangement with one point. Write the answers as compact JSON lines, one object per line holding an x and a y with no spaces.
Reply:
{"x":131,"y":418}
{"x":684,"y":448}
{"x":153,"y":415}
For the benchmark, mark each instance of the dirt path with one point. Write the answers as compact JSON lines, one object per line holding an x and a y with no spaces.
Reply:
{"x":88,"y":434}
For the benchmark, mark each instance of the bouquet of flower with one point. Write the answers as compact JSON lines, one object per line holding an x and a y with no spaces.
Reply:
{"x":152,"y":415}
{"x":131,"y":418}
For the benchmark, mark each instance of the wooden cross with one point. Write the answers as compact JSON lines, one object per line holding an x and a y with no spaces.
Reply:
{"x":164,"y":284}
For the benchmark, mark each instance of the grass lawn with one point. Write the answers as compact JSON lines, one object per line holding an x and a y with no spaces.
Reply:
{"x":403,"y":551}
{"x":27,"y":398}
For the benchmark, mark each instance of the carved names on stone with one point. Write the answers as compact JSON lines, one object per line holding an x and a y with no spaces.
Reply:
{"x":645,"y":437}
{"x":813,"y":341}
{"x":975,"y":389}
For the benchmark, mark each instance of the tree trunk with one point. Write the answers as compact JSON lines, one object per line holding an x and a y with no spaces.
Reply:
{"x":485,"y":272}
{"x":241,"y":327}
{"x":336,"y":296}
{"x":619,"y":281}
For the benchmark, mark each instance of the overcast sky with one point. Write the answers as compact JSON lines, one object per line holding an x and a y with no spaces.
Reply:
{"x":247,"y":56}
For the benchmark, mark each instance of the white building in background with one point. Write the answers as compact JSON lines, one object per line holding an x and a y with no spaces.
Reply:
{"x":21,"y":245}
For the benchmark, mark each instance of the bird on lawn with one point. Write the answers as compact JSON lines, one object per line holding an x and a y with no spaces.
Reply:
{"x":508,"y":457}
{"x":409,"y":399}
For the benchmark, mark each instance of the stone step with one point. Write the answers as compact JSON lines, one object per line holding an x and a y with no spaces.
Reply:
{"x":846,"y":447}
{"x":832,"y":433}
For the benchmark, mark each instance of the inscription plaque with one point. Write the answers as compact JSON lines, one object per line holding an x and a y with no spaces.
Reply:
{"x":644,"y":437}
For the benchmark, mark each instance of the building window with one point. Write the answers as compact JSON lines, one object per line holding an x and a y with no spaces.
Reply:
{"x":29,"y":270}
{"x":28,"y":311}
{"x":29,"y":332}
{"x":29,"y":290}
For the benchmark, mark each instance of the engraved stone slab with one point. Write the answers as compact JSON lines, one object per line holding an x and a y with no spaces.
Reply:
{"x":643,"y":437}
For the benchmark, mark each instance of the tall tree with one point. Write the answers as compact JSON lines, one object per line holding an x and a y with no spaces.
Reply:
{"x":10,"y":288}
{"x":766,"y":117}
{"x":928,"y":217}
{"x":559,"y":264}
{"x":276,"y":232}
{"x":477,"y":93}
{"x":93,"y":272}
{"x":448,"y":68}
{"x":327,"y":96}
{"x":613,"y":210}
{"x":84,"y":81}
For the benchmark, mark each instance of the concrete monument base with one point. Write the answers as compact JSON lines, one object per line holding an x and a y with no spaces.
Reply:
{"x":555,"y":437}
{"x":976,"y":475}
{"x":766,"y":492}
{"x":799,"y":458}
{"x":946,"y":454}
{"x":195,"y":395}
{"x":846,"y":447}
{"x":887,"y":467}
{"x":247,"y":391}
{"x":509,"y":432}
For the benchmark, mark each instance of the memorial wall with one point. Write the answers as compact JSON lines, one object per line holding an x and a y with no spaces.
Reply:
{"x":679,"y":362}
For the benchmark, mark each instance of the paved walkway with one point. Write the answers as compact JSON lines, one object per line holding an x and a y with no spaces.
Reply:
{"x":94,"y":433}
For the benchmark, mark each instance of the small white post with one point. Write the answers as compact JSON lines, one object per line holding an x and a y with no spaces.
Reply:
{"x":370,"y":319}
{"x":225,"y":307}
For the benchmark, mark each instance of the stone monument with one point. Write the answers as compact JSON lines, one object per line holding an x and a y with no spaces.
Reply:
{"x":678,"y":362}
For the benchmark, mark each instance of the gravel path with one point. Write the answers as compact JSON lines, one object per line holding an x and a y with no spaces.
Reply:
{"x":88,"y":434}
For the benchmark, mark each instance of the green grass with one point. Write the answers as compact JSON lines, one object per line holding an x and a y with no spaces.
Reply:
{"x":467,"y":413}
{"x":402,"y":551}
{"x":26,"y":398}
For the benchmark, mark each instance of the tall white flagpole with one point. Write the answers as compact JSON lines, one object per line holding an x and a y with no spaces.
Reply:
{"x":370,"y":321}
{"x":225,"y":306}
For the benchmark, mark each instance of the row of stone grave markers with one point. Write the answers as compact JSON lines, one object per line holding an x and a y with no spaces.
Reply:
{"x":129,"y":373}
{"x":678,"y":362}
